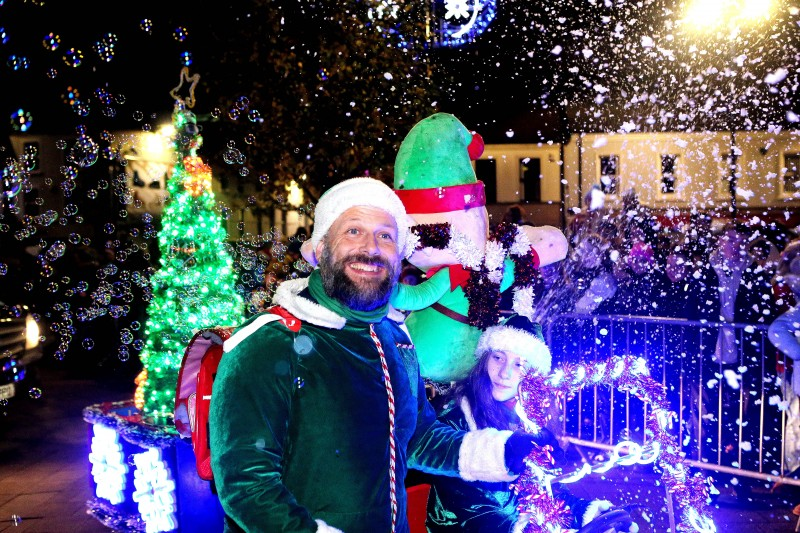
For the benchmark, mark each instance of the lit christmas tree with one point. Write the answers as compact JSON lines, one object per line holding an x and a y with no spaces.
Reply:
{"x":194,"y":288}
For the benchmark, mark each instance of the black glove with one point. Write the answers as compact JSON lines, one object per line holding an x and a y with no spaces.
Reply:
{"x":615,"y":519}
{"x":520,"y":444}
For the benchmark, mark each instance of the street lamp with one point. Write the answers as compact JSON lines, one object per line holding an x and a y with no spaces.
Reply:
{"x":295,"y":193}
{"x":728,"y":16}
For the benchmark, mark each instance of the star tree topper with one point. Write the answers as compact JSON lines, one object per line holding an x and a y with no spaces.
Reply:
{"x":193,"y":80}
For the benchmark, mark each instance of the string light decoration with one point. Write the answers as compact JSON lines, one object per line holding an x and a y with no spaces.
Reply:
{"x":627,"y":374}
{"x":195,"y":285}
{"x":456,"y":23}
{"x":486,"y":267}
{"x":462,"y":22}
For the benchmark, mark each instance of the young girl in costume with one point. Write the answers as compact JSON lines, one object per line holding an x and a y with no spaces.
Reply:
{"x":487,"y":398}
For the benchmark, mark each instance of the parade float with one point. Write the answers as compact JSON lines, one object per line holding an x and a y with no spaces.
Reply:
{"x":148,"y":467}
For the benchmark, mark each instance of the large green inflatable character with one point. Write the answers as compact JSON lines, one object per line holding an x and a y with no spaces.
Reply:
{"x":467,"y":268}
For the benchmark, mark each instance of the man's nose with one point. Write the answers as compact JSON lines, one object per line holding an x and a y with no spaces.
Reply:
{"x":370,"y":244}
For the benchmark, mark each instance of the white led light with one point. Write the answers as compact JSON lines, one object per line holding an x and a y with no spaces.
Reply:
{"x":108,"y":464}
{"x":155,"y":491}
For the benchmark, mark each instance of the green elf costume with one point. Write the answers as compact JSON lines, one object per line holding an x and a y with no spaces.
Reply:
{"x":319,"y":410}
{"x":468,"y":268}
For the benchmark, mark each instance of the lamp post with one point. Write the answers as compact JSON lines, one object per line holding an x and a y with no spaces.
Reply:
{"x":565,"y":134}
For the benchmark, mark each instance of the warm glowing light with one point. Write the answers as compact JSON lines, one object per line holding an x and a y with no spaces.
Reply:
{"x":713,"y":15}
{"x":138,"y":395}
{"x":31,"y":333}
{"x":198,"y":178}
{"x":156,"y":147}
{"x":295,"y":197}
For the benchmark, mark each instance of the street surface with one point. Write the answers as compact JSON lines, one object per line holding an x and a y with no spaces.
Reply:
{"x":45,"y":475}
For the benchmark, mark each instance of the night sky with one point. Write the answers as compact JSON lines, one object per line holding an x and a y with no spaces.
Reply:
{"x":494,"y":81}
{"x":626,"y":66}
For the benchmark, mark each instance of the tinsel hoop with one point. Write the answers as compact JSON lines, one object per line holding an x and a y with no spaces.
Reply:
{"x":627,"y":374}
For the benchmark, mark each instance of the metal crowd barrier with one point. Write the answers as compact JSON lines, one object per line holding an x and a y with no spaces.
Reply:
{"x":730,"y":417}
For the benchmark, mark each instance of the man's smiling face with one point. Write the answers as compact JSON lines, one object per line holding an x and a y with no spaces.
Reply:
{"x":359,"y":258}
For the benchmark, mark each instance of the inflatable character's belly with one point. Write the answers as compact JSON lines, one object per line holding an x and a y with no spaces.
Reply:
{"x":445,"y":347}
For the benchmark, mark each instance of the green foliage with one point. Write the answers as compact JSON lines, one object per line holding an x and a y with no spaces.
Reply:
{"x":321,"y":90}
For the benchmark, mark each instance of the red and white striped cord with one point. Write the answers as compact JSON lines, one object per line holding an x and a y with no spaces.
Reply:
{"x":392,"y":453}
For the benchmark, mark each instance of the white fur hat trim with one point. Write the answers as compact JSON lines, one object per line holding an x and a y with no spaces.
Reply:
{"x":360,"y":192}
{"x":508,"y":339}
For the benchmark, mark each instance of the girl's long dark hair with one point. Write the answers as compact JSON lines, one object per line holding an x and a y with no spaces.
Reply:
{"x":477,"y":389}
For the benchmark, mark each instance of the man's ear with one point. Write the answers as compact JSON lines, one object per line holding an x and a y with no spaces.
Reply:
{"x":308,"y":252}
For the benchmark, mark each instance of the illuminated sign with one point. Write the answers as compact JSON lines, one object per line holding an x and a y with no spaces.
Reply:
{"x":108,"y":464}
{"x":154,"y":491}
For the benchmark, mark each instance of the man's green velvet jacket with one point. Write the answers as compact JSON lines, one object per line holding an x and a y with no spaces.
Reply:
{"x":299,"y":424}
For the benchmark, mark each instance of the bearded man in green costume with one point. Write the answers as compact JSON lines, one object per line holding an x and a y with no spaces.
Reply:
{"x":318,"y":408}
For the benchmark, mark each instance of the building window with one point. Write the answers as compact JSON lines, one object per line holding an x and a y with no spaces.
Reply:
{"x":486,"y":171}
{"x":791,"y":174}
{"x":724,"y":182}
{"x":530,"y":179}
{"x":32,"y":202}
{"x":668,"y":163}
{"x":609,"y":177}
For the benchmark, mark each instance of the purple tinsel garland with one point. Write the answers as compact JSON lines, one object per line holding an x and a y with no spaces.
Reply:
{"x":112,"y":518}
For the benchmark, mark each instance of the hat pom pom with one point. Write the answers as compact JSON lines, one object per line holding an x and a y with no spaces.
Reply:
{"x":475,"y":148}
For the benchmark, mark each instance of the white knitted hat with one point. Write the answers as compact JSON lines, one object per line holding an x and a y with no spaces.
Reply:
{"x":517,"y":336}
{"x":359,"y":192}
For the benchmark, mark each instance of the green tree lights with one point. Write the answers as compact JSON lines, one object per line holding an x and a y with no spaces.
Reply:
{"x":194,"y":287}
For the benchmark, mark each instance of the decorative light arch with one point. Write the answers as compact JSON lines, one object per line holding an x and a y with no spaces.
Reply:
{"x":454,"y":22}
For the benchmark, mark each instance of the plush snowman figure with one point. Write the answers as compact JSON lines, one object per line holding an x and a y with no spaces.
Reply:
{"x":467,"y":268}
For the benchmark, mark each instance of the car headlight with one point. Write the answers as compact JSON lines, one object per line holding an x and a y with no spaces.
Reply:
{"x":31,"y":333}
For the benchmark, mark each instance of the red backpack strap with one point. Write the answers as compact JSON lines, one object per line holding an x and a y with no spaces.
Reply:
{"x":201,"y":343}
{"x":274,"y":313}
{"x":196,"y":383}
{"x":287,"y":319}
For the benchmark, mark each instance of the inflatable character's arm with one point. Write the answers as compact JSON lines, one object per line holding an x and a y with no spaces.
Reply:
{"x":415,"y":297}
{"x":508,"y":274}
{"x":549,"y":242}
